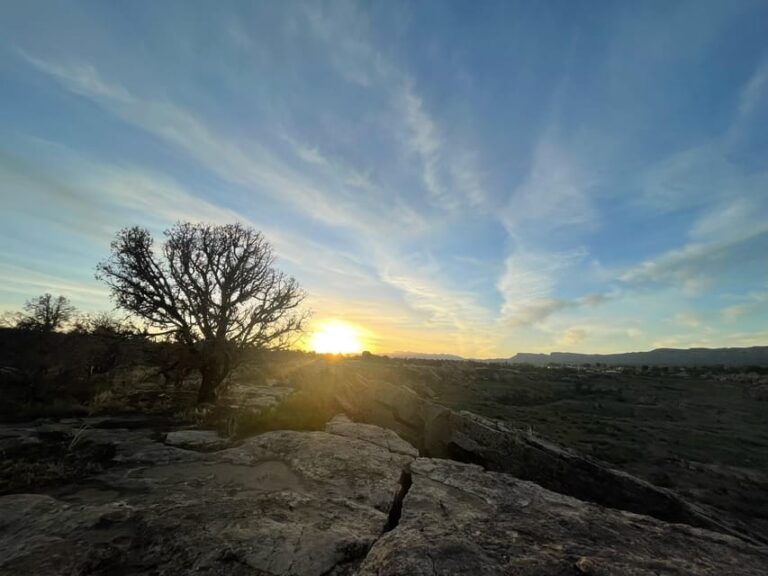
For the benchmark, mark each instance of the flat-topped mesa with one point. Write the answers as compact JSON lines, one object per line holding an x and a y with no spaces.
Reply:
{"x":466,"y":437}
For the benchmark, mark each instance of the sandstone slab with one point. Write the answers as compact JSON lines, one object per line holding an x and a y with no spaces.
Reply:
{"x":341,"y":425}
{"x":201,"y":440}
{"x":292,"y":503}
{"x":463,"y":436}
{"x":459,"y":519}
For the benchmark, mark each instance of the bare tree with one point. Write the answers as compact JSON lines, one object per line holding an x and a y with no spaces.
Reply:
{"x":212,"y":287}
{"x":46,"y":313}
{"x":107,"y":325}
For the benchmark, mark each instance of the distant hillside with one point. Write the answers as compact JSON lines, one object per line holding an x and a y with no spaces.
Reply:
{"x":753,"y":356}
{"x":422,"y":356}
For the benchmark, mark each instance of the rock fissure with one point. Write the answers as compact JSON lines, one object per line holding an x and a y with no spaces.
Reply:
{"x":530,"y":529}
{"x":396,"y":510}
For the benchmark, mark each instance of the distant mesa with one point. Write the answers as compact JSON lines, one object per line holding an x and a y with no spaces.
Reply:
{"x":753,"y":356}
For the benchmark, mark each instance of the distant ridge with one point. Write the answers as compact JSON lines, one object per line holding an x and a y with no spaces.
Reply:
{"x":752,"y":356}
{"x":423,"y":356}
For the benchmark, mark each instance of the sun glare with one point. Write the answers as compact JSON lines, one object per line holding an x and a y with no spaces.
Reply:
{"x":336,"y":338}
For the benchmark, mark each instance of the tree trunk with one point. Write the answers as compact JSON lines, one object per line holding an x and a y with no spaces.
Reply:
{"x":208,"y":386}
{"x":215,"y":368}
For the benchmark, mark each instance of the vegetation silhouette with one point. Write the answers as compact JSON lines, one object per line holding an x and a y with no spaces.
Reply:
{"x":46,"y":313}
{"x":213,"y":288}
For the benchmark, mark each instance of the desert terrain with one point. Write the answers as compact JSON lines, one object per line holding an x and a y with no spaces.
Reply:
{"x":322,"y":464}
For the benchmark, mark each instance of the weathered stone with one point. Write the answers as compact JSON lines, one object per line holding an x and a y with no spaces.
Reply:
{"x":312,"y":503}
{"x":341,"y":425}
{"x":15,"y":440}
{"x":201,"y":440}
{"x":440,"y":432}
{"x":304,"y":503}
{"x":245,"y":395}
{"x":459,"y":519}
{"x":394,"y":407}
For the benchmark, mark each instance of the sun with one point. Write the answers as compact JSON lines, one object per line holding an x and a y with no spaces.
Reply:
{"x":335,"y":337}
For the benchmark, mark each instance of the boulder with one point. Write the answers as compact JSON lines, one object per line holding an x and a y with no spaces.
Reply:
{"x":459,"y":519}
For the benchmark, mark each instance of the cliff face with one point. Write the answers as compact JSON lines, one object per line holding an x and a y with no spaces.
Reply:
{"x":354,"y":499}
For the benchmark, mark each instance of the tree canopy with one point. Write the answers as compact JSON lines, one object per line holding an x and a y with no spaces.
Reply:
{"x":212,"y":287}
{"x":46,"y":313}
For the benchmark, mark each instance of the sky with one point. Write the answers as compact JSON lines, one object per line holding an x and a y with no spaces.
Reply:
{"x":474,"y":178}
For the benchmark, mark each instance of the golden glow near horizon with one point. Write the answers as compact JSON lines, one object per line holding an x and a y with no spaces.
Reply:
{"x":336,"y":337}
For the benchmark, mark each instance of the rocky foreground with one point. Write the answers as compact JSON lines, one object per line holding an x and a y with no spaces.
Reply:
{"x":353,"y":499}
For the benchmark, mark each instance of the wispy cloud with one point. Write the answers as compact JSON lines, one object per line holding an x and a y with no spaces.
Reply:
{"x":756,"y":338}
{"x":751,"y":304}
{"x":81,"y":78}
{"x":468,"y":179}
{"x":26,"y":282}
{"x":688,"y":319}
{"x":448,"y":172}
{"x":528,"y":282}
{"x":733,"y":313}
{"x":245,"y":163}
{"x":334,"y":166}
{"x":423,"y":141}
{"x":572,"y":337}
{"x":344,"y":30}
{"x":99,"y":198}
{"x":697,"y":265}
{"x":555,"y":194}
{"x":755,"y":91}
{"x":95,"y":198}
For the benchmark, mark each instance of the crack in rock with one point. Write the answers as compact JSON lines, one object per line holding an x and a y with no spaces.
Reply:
{"x":396,"y":510}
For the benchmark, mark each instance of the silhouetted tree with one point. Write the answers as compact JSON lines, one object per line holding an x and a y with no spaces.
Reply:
{"x":212,"y":287}
{"x":104,"y":324}
{"x":46,"y":313}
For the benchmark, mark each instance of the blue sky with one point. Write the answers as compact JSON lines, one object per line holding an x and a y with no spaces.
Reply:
{"x":477,"y":178}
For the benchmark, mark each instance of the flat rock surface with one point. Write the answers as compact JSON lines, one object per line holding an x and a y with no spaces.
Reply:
{"x":202,"y":440}
{"x":459,"y":519}
{"x":305,"y":503}
{"x":331,"y":503}
{"x":244,"y":394}
{"x":443,"y":433}
{"x":343,"y":426}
